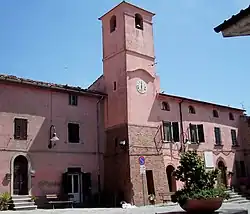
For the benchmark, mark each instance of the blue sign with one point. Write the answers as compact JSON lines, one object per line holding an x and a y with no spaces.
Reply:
{"x":141,"y":160}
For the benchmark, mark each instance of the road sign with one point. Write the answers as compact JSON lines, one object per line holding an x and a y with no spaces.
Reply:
{"x":142,"y":170}
{"x":141,"y":160}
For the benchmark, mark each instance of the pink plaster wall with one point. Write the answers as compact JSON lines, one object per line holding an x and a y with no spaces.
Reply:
{"x":204,"y":115}
{"x":42,"y":108}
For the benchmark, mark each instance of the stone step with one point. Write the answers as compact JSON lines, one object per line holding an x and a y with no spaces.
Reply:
{"x":20,"y":199}
{"x":244,"y":201}
{"x":20,"y":196}
{"x":28,"y":207}
{"x":21,"y":204}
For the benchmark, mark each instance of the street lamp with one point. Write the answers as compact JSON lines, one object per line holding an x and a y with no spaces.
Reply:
{"x":53,"y":137}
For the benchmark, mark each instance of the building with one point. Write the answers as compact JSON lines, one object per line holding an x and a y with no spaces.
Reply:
{"x":105,"y":129}
{"x":33,"y":164}
{"x":237,"y":25}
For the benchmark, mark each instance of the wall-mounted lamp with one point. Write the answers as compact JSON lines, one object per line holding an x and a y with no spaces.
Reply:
{"x":122,"y":143}
{"x":32,"y":172}
{"x":7,"y":177}
{"x":187,"y":142}
{"x":53,"y":137}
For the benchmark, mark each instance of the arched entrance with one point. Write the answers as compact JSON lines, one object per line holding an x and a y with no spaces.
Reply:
{"x":223,"y":173}
{"x":20,"y":176}
{"x":171,"y":178}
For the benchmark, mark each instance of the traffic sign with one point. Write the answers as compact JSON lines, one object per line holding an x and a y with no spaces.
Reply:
{"x":141,"y":160}
{"x":142,"y":170}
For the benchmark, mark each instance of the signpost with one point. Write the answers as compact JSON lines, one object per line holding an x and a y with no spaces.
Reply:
{"x":142,"y":173}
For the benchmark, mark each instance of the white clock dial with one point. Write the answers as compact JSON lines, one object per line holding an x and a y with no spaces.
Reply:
{"x":141,"y":86}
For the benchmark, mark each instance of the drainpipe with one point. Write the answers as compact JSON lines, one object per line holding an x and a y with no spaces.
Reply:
{"x":98,"y":146}
{"x":181,"y":123}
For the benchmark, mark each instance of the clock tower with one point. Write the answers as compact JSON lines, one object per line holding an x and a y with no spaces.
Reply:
{"x":132,"y":85}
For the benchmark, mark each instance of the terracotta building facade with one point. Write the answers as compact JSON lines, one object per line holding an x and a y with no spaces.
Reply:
{"x":86,"y":142}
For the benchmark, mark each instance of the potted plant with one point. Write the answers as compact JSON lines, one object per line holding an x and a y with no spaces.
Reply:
{"x":152,"y":199}
{"x":199,"y":193}
{"x":5,"y":199}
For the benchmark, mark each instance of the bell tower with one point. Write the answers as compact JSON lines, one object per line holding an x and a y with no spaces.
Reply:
{"x":128,"y":63}
{"x":132,"y":85}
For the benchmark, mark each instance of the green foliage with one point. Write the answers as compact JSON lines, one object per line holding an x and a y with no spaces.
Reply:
{"x":33,"y":198}
{"x":199,"y":183}
{"x":4,"y":201}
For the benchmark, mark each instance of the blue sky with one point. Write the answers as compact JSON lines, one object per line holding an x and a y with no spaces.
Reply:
{"x":60,"y":41}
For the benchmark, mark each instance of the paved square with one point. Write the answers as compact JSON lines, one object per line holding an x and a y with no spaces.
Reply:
{"x":139,"y":210}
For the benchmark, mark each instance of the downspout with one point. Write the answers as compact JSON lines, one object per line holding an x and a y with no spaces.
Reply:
{"x":98,"y":146}
{"x":181,"y":124}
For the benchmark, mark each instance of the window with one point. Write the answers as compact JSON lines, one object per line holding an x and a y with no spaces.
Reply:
{"x":196,"y":133}
{"x":231,"y":116}
{"x":171,"y":131}
{"x":112,"y":23}
{"x":73,"y":99}
{"x":114,"y":85}
{"x":191,"y":110}
{"x":165,"y":106}
{"x":215,"y":113}
{"x":138,"y":21}
{"x":73,"y":133}
{"x":234,"y":137}
{"x":20,"y":129}
{"x":217,"y":134}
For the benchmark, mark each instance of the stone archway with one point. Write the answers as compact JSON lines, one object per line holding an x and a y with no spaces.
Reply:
{"x":171,"y":179}
{"x":20,"y":167}
{"x":223,"y":173}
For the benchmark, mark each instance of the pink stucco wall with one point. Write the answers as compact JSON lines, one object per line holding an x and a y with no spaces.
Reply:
{"x":43,"y":108}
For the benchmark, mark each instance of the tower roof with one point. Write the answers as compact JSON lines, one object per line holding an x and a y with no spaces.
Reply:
{"x":128,"y":4}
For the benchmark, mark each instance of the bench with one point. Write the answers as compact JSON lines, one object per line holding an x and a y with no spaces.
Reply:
{"x":53,"y":200}
{"x":166,"y":197}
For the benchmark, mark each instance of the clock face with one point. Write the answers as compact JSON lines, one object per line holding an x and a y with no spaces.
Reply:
{"x":141,"y":86}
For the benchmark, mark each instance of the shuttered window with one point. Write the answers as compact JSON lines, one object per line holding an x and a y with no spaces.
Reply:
{"x":20,"y":129}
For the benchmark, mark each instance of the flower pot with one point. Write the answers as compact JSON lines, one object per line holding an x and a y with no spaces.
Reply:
{"x":202,"y":205}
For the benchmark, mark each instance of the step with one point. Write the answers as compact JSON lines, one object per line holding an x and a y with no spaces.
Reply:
{"x":20,"y":196}
{"x":20,"y":199}
{"x":28,"y":207}
{"x":236,"y":199}
{"x":21,"y":204}
{"x":244,"y":201}
{"x":236,"y":196}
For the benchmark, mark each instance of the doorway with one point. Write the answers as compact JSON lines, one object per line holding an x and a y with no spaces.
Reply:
{"x":74,"y":187}
{"x":150,"y":182}
{"x":20,"y":172}
{"x":171,"y":179}
{"x":223,"y":174}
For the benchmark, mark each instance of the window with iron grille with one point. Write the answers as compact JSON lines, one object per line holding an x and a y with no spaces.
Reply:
{"x":20,"y":129}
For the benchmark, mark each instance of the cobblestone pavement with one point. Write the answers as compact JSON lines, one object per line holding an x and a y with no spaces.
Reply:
{"x":139,"y":210}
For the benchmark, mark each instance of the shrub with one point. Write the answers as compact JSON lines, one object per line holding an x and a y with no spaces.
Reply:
{"x":4,"y":201}
{"x":199,"y":183}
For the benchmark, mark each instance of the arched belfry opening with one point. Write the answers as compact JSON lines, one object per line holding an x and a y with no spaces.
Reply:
{"x":138,"y":21}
